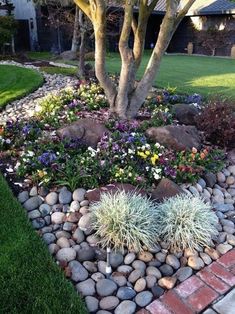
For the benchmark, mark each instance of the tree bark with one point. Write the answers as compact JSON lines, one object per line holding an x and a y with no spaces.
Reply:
{"x":75,"y":40}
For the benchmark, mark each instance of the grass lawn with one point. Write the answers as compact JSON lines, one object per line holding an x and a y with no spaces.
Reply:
{"x":59,"y":70}
{"x":16,"y":82}
{"x":31,"y":282}
{"x":209,"y":76}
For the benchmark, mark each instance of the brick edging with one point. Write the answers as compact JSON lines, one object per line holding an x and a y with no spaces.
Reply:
{"x":200,"y":290}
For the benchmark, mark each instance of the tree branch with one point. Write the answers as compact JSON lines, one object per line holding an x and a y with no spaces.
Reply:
{"x":84,"y":6}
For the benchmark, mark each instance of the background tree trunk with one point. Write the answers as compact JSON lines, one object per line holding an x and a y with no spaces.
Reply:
{"x":81,"y":66}
{"x":75,"y":40}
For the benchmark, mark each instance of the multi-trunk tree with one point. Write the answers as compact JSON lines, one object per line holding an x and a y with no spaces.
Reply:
{"x":126,"y":98}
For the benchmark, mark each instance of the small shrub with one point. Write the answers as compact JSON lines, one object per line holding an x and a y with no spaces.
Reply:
{"x":186,"y":222}
{"x":217,"y":120}
{"x":125,"y":220}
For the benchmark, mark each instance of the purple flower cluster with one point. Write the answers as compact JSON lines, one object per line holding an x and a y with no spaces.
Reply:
{"x":47,"y":158}
{"x":126,"y":126}
{"x":75,"y":103}
{"x":169,"y":171}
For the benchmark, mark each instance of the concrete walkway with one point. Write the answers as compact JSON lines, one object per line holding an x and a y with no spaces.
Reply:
{"x":209,"y":291}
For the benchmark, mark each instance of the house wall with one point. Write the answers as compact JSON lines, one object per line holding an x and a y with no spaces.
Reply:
{"x":25,"y":11}
{"x":191,"y":27}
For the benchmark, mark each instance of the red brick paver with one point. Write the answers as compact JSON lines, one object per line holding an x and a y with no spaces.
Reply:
{"x":199,"y":291}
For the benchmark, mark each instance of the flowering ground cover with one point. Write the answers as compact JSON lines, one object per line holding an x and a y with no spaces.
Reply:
{"x":124,"y":153}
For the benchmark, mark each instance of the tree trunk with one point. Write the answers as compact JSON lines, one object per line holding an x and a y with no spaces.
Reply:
{"x":81,"y":66}
{"x":75,"y":40}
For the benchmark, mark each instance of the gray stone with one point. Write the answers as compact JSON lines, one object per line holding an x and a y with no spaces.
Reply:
{"x":86,"y":288}
{"x":84,"y":203}
{"x":86,"y":254}
{"x":227,"y":304}
{"x":85,"y":222}
{"x":173,"y":261}
{"x":231,"y":169}
{"x":140,"y":285}
{"x":93,"y":240}
{"x":126,"y":293}
{"x":45,"y":209}
{"x":38,"y":223}
{"x":119,"y":279}
{"x":223,"y":248}
{"x":223,"y":207}
{"x":33,"y":191}
{"x":78,"y":235}
{"x":137,"y":264}
{"x":229,"y":229}
{"x":66,"y":255}
{"x":23,"y":196}
{"x":92,"y":304}
{"x":90,"y":266}
{"x":32,"y":203}
{"x":74,"y":206}
{"x":97,"y":276}
{"x":103,"y":312}
{"x":49,"y":238}
{"x":109,"y":303}
{"x":194,"y":191}
{"x":210,"y":179}
{"x":102,"y":267}
{"x":143,"y":298}
{"x":34,"y":214}
{"x":166,"y":270}
{"x":202,"y":183}
{"x":184,"y":273}
{"x":57,"y":218}
{"x":65,"y":196}
{"x":150,"y":280}
{"x":230,"y":180}
{"x":206,"y":258}
{"x":212,"y":253}
{"x":126,"y":307}
{"x":79,"y":195}
{"x":231,"y":239}
{"x":129,"y":258}
{"x":226,"y":222}
{"x":195,"y":262}
{"x":167,"y":282}
{"x":125,"y":269}
{"x":161,"y":257}
{"x":116,"y":259}
{"x":153,"y":271}
{"x":63,"y":242}
{"x":185,"y":113}
{"x":78,"y":272}
{"x":231,"y":191}
{"x":145,"y":256}
{"x":63,"y":234}
{"x":53,"y":248}
{"x":157,"y":291}
{"x":68,"y":226}
{"x":135,"y":275}
{"x":105,"y":287}
{"x":51,"y":198}
{"x":221,"y":177}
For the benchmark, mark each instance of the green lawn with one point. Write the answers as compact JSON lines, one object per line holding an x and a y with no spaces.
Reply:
{"x":59,"y":70}
{"x":209,"y":76}
{"x":16,"y":82}
{"x":30,"y":281}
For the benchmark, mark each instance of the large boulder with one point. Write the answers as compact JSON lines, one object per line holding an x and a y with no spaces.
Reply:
{"x":165,"y":189}
{"x":176,"y":137}
{"x":94,"y":195}
{"x":69,"y":55}
{"x":185,"y":113}
{"x":87,"y":130}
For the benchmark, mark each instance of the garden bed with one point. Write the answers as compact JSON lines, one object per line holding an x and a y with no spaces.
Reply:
{"x":73,"y":145}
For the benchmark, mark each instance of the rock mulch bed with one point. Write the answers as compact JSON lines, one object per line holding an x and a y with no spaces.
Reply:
{"x":63,"y":220}
{"x":26,"y":106}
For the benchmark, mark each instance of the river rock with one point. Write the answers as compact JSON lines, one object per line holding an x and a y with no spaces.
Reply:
{"x":126,"y":307}
{"x":49,"y":238}
{"x":143,"y":298}
{"x":153,"y":271}
{"x":195,"y":262}
{"x":223,"y":248}
{"x":32,"y":203}
{"x":140,"y":285}
{"x":57,"y":218}
{"x":126,"y":293}
{"x":184,"y":273}
{"x":109,"y":303}
{"x":173,"y":261}
{"x":23,"y":196}
{"x":167,"y":282}
{"x":51,"y":198}
{"x":105,"y":287}
{"x":92,"y":304}
{"x":66,"y":255}
{"x":86,"y":288}
{"x":116,"y":259}
{"x":78,"y":272}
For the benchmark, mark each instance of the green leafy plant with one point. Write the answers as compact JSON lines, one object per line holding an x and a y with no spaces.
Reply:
{"x":186,"y":222}
{"x":125,"y":220}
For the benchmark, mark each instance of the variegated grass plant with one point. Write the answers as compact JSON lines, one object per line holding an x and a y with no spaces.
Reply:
{"x":125,"y":220}
{"x":186,"y":222}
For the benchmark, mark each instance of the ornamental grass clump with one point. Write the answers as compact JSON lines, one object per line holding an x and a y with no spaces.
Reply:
{"x":125,"y":220}
{"x":186,"y":222}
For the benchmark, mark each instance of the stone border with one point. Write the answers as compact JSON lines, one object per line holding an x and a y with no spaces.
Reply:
{"x":199,"y":291}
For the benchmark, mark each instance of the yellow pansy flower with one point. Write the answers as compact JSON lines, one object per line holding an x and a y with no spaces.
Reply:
{"x":154,"y":158}
{"x":142,"y":155}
